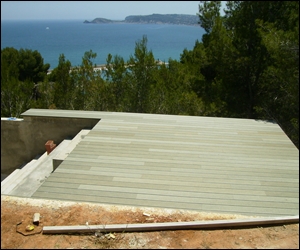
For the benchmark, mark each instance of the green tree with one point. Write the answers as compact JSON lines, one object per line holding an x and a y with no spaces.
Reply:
{"x":246,"y":64}
{"x":279,"y":92}
{"x":141,"y":66}
{"x":117,"y":79}
{"x":209,"y":11}
{"x":160,"y":91}
{"x":102,"y":95}
{"x":63,"y":87}
{"x":46,"y":92}
{"x":9,"y":63}
{"x":202,"y":68}
{"x":32,"y":68}
{"x":17,"y":93}
{"x":84,"y":79}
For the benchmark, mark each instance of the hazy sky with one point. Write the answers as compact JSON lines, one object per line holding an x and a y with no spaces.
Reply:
{"x":88,"y":10}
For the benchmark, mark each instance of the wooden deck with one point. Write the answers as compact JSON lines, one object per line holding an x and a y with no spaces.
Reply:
{"x":220,"y":165}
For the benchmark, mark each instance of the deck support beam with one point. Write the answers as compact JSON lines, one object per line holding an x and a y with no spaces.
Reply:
{"x":216,"y":224}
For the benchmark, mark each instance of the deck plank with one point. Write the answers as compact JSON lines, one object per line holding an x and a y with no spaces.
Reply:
{"x":222,"y":165}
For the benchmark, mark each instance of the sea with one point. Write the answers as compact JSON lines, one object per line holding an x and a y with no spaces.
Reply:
{"x":73,"y":38}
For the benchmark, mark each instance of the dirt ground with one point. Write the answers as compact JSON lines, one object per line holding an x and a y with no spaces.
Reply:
{"x":54,"y":213}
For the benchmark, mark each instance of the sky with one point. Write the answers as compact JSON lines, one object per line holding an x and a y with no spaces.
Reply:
{"x":89,"y":10}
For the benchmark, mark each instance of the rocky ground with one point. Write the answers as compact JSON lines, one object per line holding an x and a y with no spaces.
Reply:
{"x":54,"y":213}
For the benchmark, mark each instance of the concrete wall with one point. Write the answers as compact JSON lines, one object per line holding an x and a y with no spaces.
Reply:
{"x":23,"y":140}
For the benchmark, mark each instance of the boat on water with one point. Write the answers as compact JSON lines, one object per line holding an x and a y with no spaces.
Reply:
{"x":47,"y":28}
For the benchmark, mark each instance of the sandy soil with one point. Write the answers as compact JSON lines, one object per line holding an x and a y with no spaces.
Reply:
{"x":53,"y":213}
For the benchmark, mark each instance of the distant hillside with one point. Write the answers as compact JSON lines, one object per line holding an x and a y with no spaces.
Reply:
{"x":179,"y":19}
{"x":164,"y":19}
{"x":102,"y":20}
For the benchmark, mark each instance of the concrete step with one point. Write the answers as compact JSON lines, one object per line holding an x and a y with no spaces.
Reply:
{"x":23,"y":172}
{"x":8,"y":179}
{"x":30,"y":176}
{"x":30,"y":165}
{"x":64,"y":153}
{"x":3,"y":176}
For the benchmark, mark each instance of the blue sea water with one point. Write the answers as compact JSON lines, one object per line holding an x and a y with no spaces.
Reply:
{"x":73,"y":37}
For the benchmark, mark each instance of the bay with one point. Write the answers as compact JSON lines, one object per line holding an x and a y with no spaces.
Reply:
{"x":73,"y":37}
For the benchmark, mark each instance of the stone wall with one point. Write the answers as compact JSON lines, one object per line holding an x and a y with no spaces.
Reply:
{"x":23,"y":140}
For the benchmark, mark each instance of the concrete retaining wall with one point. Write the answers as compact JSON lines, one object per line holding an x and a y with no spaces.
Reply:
{"x":23,"y":140}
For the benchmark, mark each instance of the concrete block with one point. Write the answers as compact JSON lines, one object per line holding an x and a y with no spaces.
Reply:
{"x":36,"y":219}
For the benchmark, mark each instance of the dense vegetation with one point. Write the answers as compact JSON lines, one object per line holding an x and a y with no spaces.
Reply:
{"x":246,"y":66}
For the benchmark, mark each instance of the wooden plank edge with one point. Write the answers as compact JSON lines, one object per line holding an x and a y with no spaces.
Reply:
{"x":171,"y":225}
